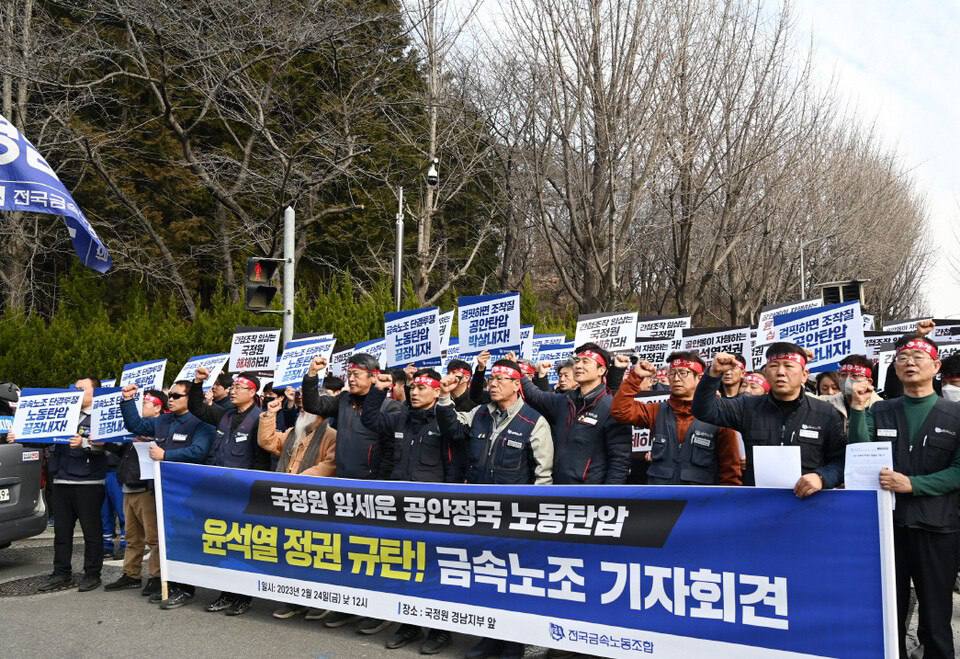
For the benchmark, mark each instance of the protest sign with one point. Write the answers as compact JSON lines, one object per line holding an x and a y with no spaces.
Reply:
{"x":616,"y":332}
{"x":654,"y":351}
{"x":873,"y":340}
{"x":602,"y":570}
{"x":642,"y":442}
{"x":106,"y":384}
{"x":254,"y":349}
{"x":294,"y":363}
{"x":708,"y":341}
{"x":885,"y":356}
{"x":375,"y":347}
{"x":446,"y":326}
{"x":6,"y":422}
{"x":338,"y":363}
{"x":757,"y":359}
{"x":106,"y":422}
{"x":489,"y":322}
{"x":545,"y":339}
{"x":831,"y":333}
{"x":556,"y":354}
{"x":765,"y":332}
{"x":146,"y":375}
{"x":213,"y":363}
{"x":412,"y":337}
{"x":47,"y":416}
{"x":662,"y":327}
{"x":526,"y":342}
{"x":947,"y":348}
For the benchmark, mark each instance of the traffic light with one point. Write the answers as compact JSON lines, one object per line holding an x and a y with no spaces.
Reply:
{"x":259,"y":291}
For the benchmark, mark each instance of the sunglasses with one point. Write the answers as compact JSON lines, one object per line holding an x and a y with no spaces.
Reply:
{"x":175,"y":396}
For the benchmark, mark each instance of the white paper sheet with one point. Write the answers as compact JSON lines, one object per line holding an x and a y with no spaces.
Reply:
{"x":146,"y":462}
{"x":776,"y":466}
{"x":864,"y":462}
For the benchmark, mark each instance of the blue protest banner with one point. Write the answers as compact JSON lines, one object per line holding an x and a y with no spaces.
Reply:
{"x":603,"y":570}
{"x":106,"y":422}
{"x":556,"y":354}
{"x":29,"y":184}
{"x":47,"y":416}
{"x":146,"y":375}
{"x":831,"y":333}
{"x":213,"y":363}
{"x":489,"y":322}
{"x":295,"y":361}
{"x":412,"y":337}
{"x":375,"y":347}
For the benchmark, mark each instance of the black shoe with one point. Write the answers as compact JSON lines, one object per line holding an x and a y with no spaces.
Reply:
{"x":222,"y":603}
{"x":336,"y":619}
{"x":88,"y":583}
{"x":512,"y":650}
{"x":436,"y":640}
{"x":156,"y":598}
{"x":176,"y":599}
{"x":152,"y":586}
{"x":123,"y":583}
{"x":487,"y":647}
{"x":239,"y":607}
{"x":288,"y":611}
{"x":370,"y":626}
{"x":56,"y":582}
{"x":404,"y":636}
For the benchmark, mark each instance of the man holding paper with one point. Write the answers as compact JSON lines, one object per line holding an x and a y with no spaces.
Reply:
{"x":924,"y":431}
{"x":785,"y":417}
{"x":180,"y":437}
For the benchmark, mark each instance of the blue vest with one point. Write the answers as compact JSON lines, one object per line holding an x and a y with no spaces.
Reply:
{"x":508,"y":460}
{"x":172,"y":435}
{"x":692,"y":462}
{"x":235,"y":448}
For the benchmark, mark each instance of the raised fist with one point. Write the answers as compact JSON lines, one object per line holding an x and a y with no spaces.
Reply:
{"x":318,"y":364}
{"x":384,"y":382}
{"x":409,"y":371}
{"x":621,"y":361}
{"x":274,"y":405}
{"x":448,"y":383}
{"x":129,"y":392}
{"x":860,"y":398}
{"x":644,"y":369}
{"x":926,"y":327}
{"x":543,"y":368}
{"x":201,"y":375}
{"x":722,"y":363}
{"x":482,"y":360}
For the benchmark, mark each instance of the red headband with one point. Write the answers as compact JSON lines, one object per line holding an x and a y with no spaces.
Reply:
{"x":248,"y":384}
{"x":595,"y":356}
{"x":461,"y":371}
{"x":156,"y":402}
{"x":686,"y":363}
{"x":756,"y":378}
{"x":358,"y":367}
{"x":853,"y":369}
{"x":794,"y":357}
{"x":527,"y":369}
{"x":506,"y":372}
{"x":919,"y":344}
{"x":426,"y":381}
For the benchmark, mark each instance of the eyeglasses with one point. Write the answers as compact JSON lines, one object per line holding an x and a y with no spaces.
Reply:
{"x":914,"y":358}
{"x":175,"y":396}
{"x":501,"y":378}
{"x":681,"y":373}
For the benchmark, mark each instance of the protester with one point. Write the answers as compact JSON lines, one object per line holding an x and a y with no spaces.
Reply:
{"x":950,"y":377}
{"x":308,"y":448}
{"x":684,"y":450}
{"x":421,"y":455}
{"x":828,"y":384}
{"x":854,"y":369}
{"x":509,"y":443}
{"x":924,"y":430}
{"x":360,"y":452}
{"x":754,"y":384}
{"x":731,"y":379}
{"x":786,"y":416}
{"x":565,"y":379}
{"x":232,"y":447}
{"x":180,"y":437}
{"x":220,"y":391}
{"x":589,"y":445}
{"x":78,"y":471}
{"x":332,"y":385}
{"x":461,"y":395}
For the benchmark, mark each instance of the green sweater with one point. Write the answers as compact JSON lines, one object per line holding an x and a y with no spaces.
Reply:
{"x":863,"y":429}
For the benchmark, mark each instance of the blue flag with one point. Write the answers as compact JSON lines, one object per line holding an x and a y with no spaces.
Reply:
{"x":28,"y":183}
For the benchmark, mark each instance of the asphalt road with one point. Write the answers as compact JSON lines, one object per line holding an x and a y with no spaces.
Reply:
{"x":124,"y":624}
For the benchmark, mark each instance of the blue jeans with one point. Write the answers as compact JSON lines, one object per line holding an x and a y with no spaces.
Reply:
{"x":112,"y":510}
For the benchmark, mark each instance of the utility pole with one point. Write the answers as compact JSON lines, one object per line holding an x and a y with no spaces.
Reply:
{"x":398,"y":256}
{"x":289,"y":264}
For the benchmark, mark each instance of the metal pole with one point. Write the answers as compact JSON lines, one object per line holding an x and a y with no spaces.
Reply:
{"x":398,"y":257}
{"x":803,"y":276}
{"x":289,"y":257}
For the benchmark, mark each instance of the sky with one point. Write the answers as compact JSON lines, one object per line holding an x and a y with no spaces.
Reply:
{"x":897,"y":63}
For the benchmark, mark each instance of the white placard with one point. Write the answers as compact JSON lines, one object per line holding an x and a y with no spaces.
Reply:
{"x":146,"y":375}
{"x":446,"y":326}
{"x":213,"y":363}
{"x":294,"y":363}
{"x":831,"y":333}
{"x":47,"y":414}
{"x":710,"y":341}
{"x":254,"y":350}
{"x":776,"y":466}
{"x":489,"y":322}
{"x":765,"y":332}
{"x":526,"y":342}
{"x":375,"y":347}
{"x":412,"y":337}
{"x":616,"y":332}
{"x":654,"y":351}
{"x":106,"y":421}
{"x":144,"y":459}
